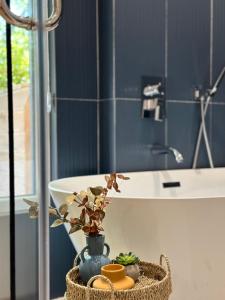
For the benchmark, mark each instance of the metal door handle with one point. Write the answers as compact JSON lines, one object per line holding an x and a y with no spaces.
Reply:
{"x":53,"y":20}
{"x":29,"y":23}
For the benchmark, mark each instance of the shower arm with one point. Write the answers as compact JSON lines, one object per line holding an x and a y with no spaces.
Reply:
{"x":29,"y":23}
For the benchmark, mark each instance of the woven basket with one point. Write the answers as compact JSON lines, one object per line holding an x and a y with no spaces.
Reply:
{"x":159,"y":290}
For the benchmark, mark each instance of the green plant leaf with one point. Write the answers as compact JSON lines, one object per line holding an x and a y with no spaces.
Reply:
{"x":57,"y":223}
{"x":127,"y":259}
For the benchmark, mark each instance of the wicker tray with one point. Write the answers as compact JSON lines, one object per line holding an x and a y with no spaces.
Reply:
{"x":160,"y":286}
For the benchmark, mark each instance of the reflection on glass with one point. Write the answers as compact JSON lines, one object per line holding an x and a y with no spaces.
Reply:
{"x":4,"y":157}
{"x":25,"y":231}
{"x":4,"y":167}
{"x":23,"y":129}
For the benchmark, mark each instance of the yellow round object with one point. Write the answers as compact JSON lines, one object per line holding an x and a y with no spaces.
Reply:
{"x":116,"y":274}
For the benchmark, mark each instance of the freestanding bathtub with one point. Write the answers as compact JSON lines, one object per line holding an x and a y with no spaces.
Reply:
{"x":180,"y":213}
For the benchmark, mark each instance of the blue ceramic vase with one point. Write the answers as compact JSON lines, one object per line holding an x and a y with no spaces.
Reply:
{"x":91,"y":265}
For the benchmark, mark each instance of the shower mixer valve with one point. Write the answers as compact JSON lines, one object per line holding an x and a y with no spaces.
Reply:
{"x":153,"y":98}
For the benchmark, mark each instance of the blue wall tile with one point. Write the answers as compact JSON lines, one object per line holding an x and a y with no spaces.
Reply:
{"x":219,"y":45}
{"x":183,"y":126}
{"x":106,"y":47}
{"x":134,"y":138}
{"x":77,"y":137}
{"x":140,"y":44}
{"x":76,"y":50}
{"x":188,"y":47}
{"x":218,"y":135}
{"x":107,"y":136}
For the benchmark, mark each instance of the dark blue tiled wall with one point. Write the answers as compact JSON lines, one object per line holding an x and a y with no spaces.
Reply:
{"x":188,"y":47}
{"x":219,"y":45}
{"x":183,"y":126}
{"x":181,"y":40}
{"x":106,"y":49}
{"x":77,"y":137}
{"x":75,"y":42}
{"x":76,"y":78}
{"x":133,"y":138}
{"x":139,"y":44}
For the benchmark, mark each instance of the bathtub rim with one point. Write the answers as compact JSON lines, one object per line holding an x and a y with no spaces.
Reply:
{"x":122,"y":196}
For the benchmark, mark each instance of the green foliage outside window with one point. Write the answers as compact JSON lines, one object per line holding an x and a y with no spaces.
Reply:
{"x":20,"y":51}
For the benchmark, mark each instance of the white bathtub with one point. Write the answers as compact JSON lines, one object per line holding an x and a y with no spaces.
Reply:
{"x":187,"y":223}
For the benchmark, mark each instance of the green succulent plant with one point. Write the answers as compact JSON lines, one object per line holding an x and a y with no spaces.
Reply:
{"x":126,"y":259}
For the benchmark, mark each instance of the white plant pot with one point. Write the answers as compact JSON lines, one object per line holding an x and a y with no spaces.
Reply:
{"x":133,"y":271}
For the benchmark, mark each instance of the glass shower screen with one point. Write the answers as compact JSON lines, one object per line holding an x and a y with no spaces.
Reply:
{"x":24,"y":146}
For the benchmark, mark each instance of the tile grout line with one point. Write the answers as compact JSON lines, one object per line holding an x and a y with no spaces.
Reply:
{"x":114,"y":82}
{"x":135,"y":100}
{"x":211,"y":41}
{"x":98,"y":86}
{"x":77,"y":99}
{"x":183,"y":101}
{"x":166,"y":73}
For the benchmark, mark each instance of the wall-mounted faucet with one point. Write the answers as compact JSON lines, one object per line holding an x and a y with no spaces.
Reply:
{"x":166,"y":150}
{"x":153,"y":98}
{"x":152,"y":90}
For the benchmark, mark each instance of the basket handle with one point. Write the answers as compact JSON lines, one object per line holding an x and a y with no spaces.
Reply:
{"x":99,"y":277}
{"x":164,"y":257}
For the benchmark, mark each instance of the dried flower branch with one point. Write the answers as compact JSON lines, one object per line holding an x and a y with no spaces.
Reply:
{"x":93,"y":203}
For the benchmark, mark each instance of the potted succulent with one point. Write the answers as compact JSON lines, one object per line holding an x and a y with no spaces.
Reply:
{"x":130,"y":262}
{"x":93,"y":203}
